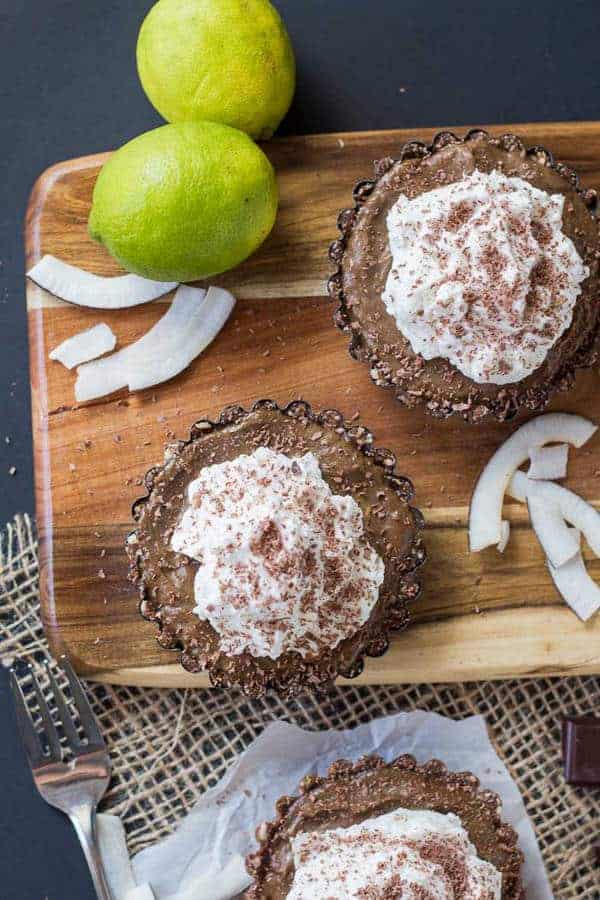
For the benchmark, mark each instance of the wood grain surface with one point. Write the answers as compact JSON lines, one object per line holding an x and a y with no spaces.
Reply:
{"x":481,"y":616}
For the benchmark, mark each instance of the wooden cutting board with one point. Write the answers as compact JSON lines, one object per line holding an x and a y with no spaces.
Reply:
{"x":482,"y":616}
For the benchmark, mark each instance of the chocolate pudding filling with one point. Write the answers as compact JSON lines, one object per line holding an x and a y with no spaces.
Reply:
{"x":365,"y":259}
{"x":360,"y":793}
{"x":239,"y":591}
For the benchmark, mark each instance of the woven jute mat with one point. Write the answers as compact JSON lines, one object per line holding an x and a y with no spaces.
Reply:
{"x":168,"y":746}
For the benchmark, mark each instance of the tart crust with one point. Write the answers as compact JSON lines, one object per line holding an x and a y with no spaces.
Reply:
{"x":363,"y":260}
{"x":351,"y":793}
{"x":350,"y":464}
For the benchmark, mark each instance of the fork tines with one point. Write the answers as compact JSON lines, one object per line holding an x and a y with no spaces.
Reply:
{"x":91,"y":740}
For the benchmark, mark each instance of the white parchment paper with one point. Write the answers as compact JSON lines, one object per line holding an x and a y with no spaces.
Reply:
{"x":203,"y":858}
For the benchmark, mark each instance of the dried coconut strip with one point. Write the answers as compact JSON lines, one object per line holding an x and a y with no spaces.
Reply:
{"x":559,"y":542}
{"x":503,"y":542}
{"x":485,"y":514}
{"x":548,"y":463}
{"x":202,"y":325}
{"x":84,"y":346}
{"x":83,"y":288}
{"x":577,"y":511}
{"x":549,"y":505}
{"x":575,"y":585}
{"x":192,"y":321}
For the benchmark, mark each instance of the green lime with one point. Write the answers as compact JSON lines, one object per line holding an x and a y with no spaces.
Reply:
{"x":228,"y":61}
{"x":184,"y":201}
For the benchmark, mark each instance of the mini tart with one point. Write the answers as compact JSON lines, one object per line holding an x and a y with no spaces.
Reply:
{"x":363,"y":261}
{"x":349,"y":464}
{"x":351,"y":793}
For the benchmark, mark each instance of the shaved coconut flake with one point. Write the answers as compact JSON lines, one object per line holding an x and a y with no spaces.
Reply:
{"x":571,"y":506}
{"x":85,"y":345}
{"x":503,"y":542}
{"x":576,"y":587}
{"x":85,"y":289}
{"x":485,"y":515}
{"x":192,"y":321}
{"x":520,"y":486}
{"x":548,"y":463}
{"x":200,"y":331}
{"x":559,"y":542}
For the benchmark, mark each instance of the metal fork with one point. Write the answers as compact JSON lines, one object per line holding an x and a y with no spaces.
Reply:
{"x":77,"y":785}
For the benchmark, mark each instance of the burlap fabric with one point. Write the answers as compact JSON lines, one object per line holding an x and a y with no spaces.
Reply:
{"x":168,"y":746}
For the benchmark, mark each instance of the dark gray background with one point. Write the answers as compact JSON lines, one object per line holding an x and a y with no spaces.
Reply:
{"x":68,"y":87}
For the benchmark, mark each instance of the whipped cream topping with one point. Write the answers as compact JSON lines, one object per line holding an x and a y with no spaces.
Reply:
{"x":284,"y":563}
{"x":482,"y":275}
{"x":413,"y":854}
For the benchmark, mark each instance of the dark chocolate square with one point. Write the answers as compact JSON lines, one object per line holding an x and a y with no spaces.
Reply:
{"x":581,"y":750}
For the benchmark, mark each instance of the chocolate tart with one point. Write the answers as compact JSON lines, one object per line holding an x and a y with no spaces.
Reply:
{"x":351,"y":793}
{"x":363,"y":261}
{"x":350,"y":464}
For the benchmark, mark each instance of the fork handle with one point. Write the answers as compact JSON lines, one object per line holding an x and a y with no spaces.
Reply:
{"x":84,"y":823}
